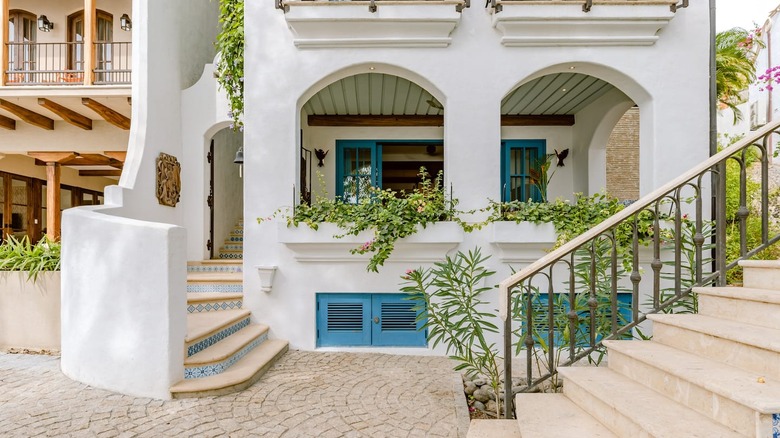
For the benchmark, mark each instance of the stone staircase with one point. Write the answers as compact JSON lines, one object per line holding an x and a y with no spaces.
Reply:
{"x":233,"y":249}
{"x":714,"y":374}
{"x":224,"y":350}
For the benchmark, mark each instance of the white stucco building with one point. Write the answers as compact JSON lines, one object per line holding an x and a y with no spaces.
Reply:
{"x":383,"y":87}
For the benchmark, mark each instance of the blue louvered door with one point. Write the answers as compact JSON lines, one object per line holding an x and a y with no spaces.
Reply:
{"x":343,"y":320}
{"x":386,"y":320}
{"x":393,"y":323}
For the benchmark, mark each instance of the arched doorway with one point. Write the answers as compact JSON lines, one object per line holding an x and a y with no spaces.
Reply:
{"x":226,"y":195}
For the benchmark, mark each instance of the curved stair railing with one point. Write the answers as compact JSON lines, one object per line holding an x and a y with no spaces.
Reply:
{"x":645,"y":259}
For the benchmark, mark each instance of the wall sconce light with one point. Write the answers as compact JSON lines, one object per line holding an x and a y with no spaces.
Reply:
{"x":125,"y":23}
{"x":44,"y":24}
{"x":321,"y":154}
{"x":240,"y":161}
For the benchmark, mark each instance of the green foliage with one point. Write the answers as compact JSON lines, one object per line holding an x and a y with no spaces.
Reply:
{"x":389,"y":214}
{"x":230,"y":67}
{"x":21,"y":255}
{"x":453,"y":313}
{"x":735,"y":67}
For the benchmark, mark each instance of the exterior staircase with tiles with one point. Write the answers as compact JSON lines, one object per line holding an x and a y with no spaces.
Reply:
{"x":711,"y":374}
{"x":233,"y":249}
{"x":224,"y":350}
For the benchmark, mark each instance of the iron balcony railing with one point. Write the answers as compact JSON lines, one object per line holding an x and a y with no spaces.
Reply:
{"x":373,"y":5}
{"x":63,"y":63}
{"x":113,"y":63}
{"x":602,"y":284}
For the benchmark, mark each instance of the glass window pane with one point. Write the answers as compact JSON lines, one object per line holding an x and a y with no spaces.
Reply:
{"x":65,"y":199}
{"x":19,"y":192}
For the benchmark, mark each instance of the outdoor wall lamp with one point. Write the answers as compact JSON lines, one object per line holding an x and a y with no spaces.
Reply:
{"x":44,"y":24}
{"x":125,"y":23}
{"x":240,"y":161}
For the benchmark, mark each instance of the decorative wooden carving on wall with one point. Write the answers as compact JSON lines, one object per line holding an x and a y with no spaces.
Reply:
{"x":168,"y":180}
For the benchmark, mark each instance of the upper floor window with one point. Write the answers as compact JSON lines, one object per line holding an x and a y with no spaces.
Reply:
{"x":22,"y":30}
{"x":76,"y":30}
{"x":521,"y":161}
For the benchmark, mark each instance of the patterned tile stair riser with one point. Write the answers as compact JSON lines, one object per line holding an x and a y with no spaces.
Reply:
{"x":775,"y":425}
{"x":217,"y":368}
{"x":211,"y":307}
{"x":231,"y":256}
{"x":231,"y":269}
{"x":216,"y":337}
{"x":216,"y":287}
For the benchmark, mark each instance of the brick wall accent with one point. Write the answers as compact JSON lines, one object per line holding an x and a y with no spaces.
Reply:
{"x":623,"y":157}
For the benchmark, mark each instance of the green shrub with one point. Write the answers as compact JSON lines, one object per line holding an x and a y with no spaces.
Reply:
{"x":22,"y":255}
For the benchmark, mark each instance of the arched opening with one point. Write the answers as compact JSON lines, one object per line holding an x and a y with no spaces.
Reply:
{"x":369,"y":130}
{"x":225,"y":199}
{"x":553,"y":142}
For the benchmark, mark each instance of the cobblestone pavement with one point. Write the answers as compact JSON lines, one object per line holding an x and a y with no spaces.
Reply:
{"x":305,"y":394}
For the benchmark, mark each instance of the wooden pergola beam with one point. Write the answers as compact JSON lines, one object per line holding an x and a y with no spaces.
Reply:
{"x":67,"y":114}
{"x":28,"y":116}
{"x":52,"y":157}
{"x":7,"y":123}
{"x":537,"y":120}
{"x":107,"y":113}
{"x":117,"y":155}
{"x":427,"y":120}
{"x":100,"y":172}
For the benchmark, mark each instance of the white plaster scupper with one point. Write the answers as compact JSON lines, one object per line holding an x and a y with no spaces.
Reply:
{"x":351,"y":24}
{"x":427,"y":245}
{"x":533,"y":24}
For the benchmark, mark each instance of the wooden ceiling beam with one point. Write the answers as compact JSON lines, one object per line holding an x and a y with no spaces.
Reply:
{"x":28,"y":116}
{"x":51,"y":157}
{"x":100,"y":172}
{"x":117,"y":155}
{"x":107,"y":113}
{"x":537,"y":120}
{"x":427,"y":120}
{"x":7,"y":123}
{"x":67,"y":114}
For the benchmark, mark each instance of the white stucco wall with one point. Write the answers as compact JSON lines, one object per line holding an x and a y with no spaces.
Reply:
{"x":124,"y":265}
{"x":470,"y":77}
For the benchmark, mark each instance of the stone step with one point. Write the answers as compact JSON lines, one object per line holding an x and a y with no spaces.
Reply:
{"x":493,"y":428}
{"x":222,"y":355}
{"x":226,"y":266}
{"x":733,"y":397}
{"x":228,"y":254}
{"x":752,"y":348}
{"x":240,"y":376}
{"x":213,"y":301}
{"x":748,"y":305}
{"x":215,"y":277}
{"x":761,"y":274}
{"x":205,"y":329}
{"x":555,"y":415}
{"x":629,"y":409}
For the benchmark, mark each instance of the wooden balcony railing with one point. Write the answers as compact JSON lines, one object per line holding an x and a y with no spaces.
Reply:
{"x":63,"y":63}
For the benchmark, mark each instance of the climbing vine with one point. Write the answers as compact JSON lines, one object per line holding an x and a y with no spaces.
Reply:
{"x":230,"y":66}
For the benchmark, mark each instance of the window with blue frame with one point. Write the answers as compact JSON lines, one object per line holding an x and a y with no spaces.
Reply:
{"x":386,"y":164}
{"x":369,"y":320}
{"x":521,"y":161}
{"x":561,"y":335}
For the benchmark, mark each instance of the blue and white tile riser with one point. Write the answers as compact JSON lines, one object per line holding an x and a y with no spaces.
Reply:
{"x":231,"y":269}
{"x":234,"y":256}
{"x":235,"y":239}
{"x":234,"y":247}
{"x":216,"y":337}
{"x":218,"y":368}
{"x":775,"y":425}
{"x":212,"y":307}
{"x":216,"y":287}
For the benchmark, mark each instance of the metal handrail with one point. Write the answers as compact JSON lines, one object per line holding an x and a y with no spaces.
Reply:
{"x":669,"y":195}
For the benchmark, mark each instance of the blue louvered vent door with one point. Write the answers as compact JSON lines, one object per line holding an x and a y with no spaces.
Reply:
{"x":394,"y":322}
{"x":343,"y":320}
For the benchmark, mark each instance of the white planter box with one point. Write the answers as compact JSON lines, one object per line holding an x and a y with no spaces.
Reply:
{"x":556,"y":23}
{"x":523,"y":242}
{"x":427,"y":245}
{"x":30,"y":312}
{"x":318,"y":24}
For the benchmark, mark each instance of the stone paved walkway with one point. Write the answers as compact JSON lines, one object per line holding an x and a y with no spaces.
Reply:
{"x":305,"y":394}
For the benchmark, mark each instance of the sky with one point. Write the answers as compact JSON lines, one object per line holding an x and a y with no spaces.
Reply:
{"x":742,"y":13}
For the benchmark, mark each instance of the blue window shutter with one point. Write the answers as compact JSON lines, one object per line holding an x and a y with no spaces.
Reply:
{"x":520,"y":174}
{"x":395,"y":322}
{"x":343,"y":319}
